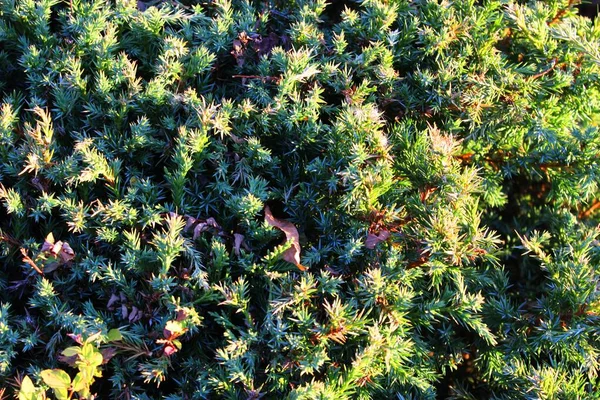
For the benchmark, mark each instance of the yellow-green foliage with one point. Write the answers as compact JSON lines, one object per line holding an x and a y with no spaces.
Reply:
{"x":432,"y":180}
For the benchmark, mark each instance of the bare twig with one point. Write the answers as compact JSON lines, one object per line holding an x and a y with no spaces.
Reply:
{"x":590,"y":210}
{"x":263,"y":78}
{"x":28,"y":260}
{"x":561,"y":13}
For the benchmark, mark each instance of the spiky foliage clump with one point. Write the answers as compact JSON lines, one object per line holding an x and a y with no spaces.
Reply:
{"x":439,"y":161}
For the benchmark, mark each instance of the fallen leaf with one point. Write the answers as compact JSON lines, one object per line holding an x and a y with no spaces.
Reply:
{"x":291,"y":255}
{"x":238,"y":238}
{"x":238,"y":52}
{"x":204,"y":226}
{"x":373,"y":240}
{"x":213,"y":223}
{"x":113,"y":299}
{"x":50,"y":267}
{"x":59,"y":250}
{"x":264,"y":45}
{"x":189,"y":223}
{"x":133,"y":315}
{"x":48,"y":243}
{"x":66,"y":253}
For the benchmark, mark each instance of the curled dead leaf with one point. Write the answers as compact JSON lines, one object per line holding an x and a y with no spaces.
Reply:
{"x":373,"y":240}
{"x":60,"y":250}
{"x":204,"y":226}
{"x":292,"y":255}
{"x":66,"y":253}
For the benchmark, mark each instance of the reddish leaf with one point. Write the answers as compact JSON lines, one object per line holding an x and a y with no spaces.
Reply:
{"x":169,"y":350}
{"x":66,"y":253}
{"x":181,"y":315}
{"x":60,"y":250}
{"x":48,"y":243}
{"x":107,"y":354}
{"x":70,"y":360}
{"x":173,"y":329}
{"x":292,"y":255}
{"x":77,"y":338}
{"x":373,"y":240}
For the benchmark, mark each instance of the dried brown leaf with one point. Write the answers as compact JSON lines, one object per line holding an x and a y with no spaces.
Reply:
{"x":189,"y":223}
{"x":204,"y":226}
{"x":291,"y":255}
{"x":264,"y":45}
{"x":59,"y":250}
{"x":66,"y":253}
{"x":48,"y":245}
{"x":238,"y":52}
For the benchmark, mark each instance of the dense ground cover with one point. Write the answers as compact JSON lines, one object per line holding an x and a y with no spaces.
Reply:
{"x":295,"y":199}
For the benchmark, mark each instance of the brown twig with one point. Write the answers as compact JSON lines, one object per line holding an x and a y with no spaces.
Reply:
{"x":263,"y":78}
{"x":8,"y":239}
{"x":547,"y":71}
{"x":28,"y":260}
{"x":561,"y":13}
{"x":587,"y":212}
{"x":464,"y":157}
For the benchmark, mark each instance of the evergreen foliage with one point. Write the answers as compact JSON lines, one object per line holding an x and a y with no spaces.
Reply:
{"x":439,"y":160}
